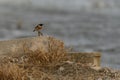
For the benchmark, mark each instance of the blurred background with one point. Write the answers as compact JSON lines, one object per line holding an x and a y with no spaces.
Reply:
{"x":85,"y":25}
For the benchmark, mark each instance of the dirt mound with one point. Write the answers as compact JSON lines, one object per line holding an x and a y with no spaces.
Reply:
{"x":55,"y":64}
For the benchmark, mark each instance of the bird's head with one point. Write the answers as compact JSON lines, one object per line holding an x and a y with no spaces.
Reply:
{"x":40,"y":24}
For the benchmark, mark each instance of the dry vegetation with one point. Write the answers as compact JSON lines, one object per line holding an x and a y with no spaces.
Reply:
{"x":53,"y":64}
{"x":11,"y":71}
{"x":55,"y":53}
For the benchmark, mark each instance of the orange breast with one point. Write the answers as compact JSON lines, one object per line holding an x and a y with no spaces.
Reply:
{"x":38,"y":28}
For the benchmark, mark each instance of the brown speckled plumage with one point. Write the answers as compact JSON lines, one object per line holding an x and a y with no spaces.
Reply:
{"x":38,"y":28}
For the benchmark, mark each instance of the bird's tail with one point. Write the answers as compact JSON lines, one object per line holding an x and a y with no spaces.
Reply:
{"x":34,"y":30}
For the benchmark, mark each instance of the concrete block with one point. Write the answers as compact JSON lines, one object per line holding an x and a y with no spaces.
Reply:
{"x":92,"y":58}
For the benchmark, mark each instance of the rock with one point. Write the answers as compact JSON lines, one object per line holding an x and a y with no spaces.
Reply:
{"x":23,"y":45}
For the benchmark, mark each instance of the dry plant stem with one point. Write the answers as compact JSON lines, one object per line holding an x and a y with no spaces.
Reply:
{"x":10,"y":72}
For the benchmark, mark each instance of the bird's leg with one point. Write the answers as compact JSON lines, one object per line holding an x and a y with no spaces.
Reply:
{"x":39,"y":33}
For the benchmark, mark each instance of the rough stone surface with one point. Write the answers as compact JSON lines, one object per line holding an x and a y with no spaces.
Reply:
{"x":18,"y":45}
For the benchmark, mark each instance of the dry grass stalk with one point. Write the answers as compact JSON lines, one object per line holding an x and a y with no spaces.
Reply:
{"x":56,"y":52}
{"x":10,"y":71}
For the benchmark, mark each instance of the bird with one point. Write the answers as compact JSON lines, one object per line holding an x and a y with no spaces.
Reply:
{"x":38,"y":28}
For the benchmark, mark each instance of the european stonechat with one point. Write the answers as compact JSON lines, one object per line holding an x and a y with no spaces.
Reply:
{"x":38,"y":28}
